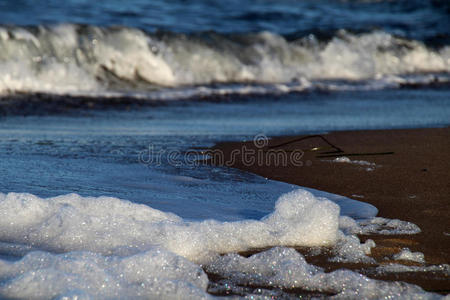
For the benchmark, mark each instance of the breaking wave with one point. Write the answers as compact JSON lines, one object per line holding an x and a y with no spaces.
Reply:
{"x":81,"y":59}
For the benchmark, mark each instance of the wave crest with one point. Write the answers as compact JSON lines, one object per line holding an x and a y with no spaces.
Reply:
{"x":77,"y":58}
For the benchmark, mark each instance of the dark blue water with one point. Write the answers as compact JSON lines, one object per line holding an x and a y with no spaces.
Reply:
{"x":414,"y":19}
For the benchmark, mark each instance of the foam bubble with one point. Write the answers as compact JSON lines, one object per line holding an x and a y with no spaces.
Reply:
{"x":156,"y":273}
{"x":286,"y":268}
{"x":385,"y":226}
{"x":113,"y":226}
{"x":113,"y":248}
{"x":349,"y":249}
{"x":377,"y":225}
{"x":444,"y":269}
{"x":344,"y":159}
{"x":406,"y":254}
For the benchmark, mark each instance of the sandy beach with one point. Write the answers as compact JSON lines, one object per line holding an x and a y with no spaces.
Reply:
{"x":404,"y":173}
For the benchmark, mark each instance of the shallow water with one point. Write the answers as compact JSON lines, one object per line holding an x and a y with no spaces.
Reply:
{"x":109,"y":152}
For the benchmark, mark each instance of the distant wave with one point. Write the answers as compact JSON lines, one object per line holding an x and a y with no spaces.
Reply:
{"x":80,"y":59}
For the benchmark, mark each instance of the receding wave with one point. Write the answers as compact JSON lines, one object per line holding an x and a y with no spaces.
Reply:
{"x":81,"y":59}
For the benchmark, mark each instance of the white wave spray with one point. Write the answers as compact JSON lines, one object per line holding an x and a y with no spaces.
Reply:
{"x":78,"y":59}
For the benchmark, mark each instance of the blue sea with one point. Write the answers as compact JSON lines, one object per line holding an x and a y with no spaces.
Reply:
{"x":107,"y":107}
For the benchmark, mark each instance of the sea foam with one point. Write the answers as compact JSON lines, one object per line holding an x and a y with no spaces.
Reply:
{"x":113,"y":226}
{"x":286,"y":268}
{"x":78,"y":247}
{"x":152,"y":274}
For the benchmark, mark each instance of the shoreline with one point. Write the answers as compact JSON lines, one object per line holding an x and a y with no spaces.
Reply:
{"x":402,"y":172}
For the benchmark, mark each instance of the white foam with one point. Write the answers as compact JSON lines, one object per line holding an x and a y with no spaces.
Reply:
{"x":158,"y":273}
{"x":93,"y":60}
{"x":154,"y":274}
{"x":406,"y":254}
{"x":113,"y":226}
{"x":344,"y":159}
{"x":385,"y":226}
{"x":114,"y":248}
{"x":377,"y":225}
{"x":349,"y":249}
{"x":444,"y":269}
{"x":52,"y":78}
{"x":349,"y":207}
{"x":367,"y":55}
{"x":139,"y":62}
{"x":286,"y":268}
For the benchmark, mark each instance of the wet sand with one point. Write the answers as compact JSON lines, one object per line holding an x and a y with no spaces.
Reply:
{"x":408,"y":178}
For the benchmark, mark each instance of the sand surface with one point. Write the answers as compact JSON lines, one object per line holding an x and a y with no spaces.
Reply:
{"x":404,"y":173}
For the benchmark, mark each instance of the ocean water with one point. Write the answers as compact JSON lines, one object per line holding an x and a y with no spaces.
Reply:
{"x":116,"y":201}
